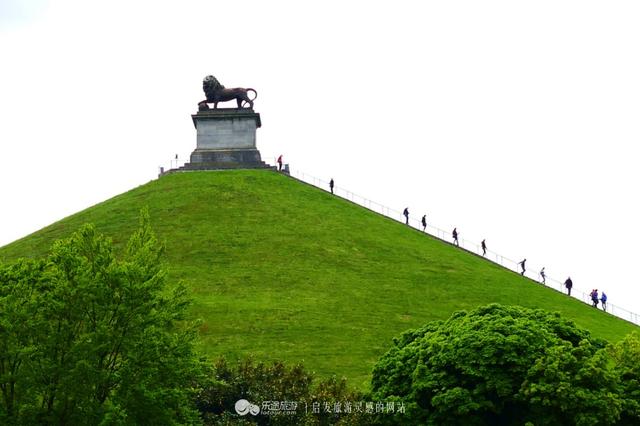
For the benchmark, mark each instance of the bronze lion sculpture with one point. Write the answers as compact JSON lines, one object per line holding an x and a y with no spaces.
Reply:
{"x":216,"y":92}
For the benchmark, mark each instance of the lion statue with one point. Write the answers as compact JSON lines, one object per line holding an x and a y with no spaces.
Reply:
{"x":216,"y":92}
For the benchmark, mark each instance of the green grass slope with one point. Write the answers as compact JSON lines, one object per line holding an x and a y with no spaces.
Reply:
{"x":282,"y":270}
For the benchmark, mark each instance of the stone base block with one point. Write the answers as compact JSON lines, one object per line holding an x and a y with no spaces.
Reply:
{"x":226,"y":128}
{"x":226,"y":156}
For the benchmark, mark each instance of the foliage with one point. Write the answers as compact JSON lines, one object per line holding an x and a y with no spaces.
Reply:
{"x":501,"y":365}
{"x":87,"y":338}
{"x":263,"y":384}
{"x":626,"y":358}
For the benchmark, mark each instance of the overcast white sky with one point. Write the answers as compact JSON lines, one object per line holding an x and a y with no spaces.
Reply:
{"x":514,"y":121}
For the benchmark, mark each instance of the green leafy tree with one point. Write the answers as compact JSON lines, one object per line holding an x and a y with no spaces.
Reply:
{"x":88,"y":338}
{"x":499,"y":365}
{"x":573,"y":385}
{"x":19,"y":319}
{"x":626,"y":357}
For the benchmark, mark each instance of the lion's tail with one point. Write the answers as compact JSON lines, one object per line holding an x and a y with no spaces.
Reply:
{"x":254,"y":91}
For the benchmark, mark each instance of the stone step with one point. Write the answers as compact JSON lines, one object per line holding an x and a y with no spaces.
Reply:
{"x":225,"y":166}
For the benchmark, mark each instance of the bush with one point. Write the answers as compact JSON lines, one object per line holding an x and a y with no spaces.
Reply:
{"x":285,"y":396}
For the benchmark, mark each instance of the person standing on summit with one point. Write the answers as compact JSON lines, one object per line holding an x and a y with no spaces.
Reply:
{"x":424,"y":223}
{"x":280,"y":163}
{"x":455,"y":237}
{"x":484,"y":247}
{"x":406,"y":215}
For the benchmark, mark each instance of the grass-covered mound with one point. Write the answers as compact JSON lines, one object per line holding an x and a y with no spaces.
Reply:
{"x":282,"y":270}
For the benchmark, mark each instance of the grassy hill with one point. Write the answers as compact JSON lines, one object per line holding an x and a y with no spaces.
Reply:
{"x":282,"y":270}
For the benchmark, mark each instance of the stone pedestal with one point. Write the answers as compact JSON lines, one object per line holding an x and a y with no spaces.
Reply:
{"x":226,"y":139}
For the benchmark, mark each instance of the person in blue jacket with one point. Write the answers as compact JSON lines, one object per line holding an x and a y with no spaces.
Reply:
{"x":603,"y":299}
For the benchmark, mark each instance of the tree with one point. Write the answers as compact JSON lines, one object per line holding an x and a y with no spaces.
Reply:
{"x":500,"y":365}
{"x":87,"y":338}
{"x":626,"y":358}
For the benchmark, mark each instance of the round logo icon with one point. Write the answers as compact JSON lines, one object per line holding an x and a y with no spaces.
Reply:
{"x":254,"y":409}
{"x":243,"y":407}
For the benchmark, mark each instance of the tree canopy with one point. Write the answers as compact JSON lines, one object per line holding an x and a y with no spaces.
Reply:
{"x":509,"y":365}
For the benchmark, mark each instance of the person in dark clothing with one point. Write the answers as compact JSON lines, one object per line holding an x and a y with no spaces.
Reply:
{"x":568,"y":284}
{"x":406,"y":215}
{"x":280,"y":163}
{"x":522,"y":264}
{"x":331,"y":185}
{"x":424,"y":223}
{"x":603,"y":299}
{"x":543,"y":276}
{"x":484,"y":247}
{"x":594,"y":297}
{"x":455,"y":236}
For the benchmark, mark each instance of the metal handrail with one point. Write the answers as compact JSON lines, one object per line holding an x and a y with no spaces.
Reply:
{"x":469,"y":246}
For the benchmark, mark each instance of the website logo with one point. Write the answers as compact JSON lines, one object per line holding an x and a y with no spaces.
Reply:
{"x":244,"y":407}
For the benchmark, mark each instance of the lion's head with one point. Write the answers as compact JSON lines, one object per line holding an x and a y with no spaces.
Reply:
{"x":211,"y":85}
